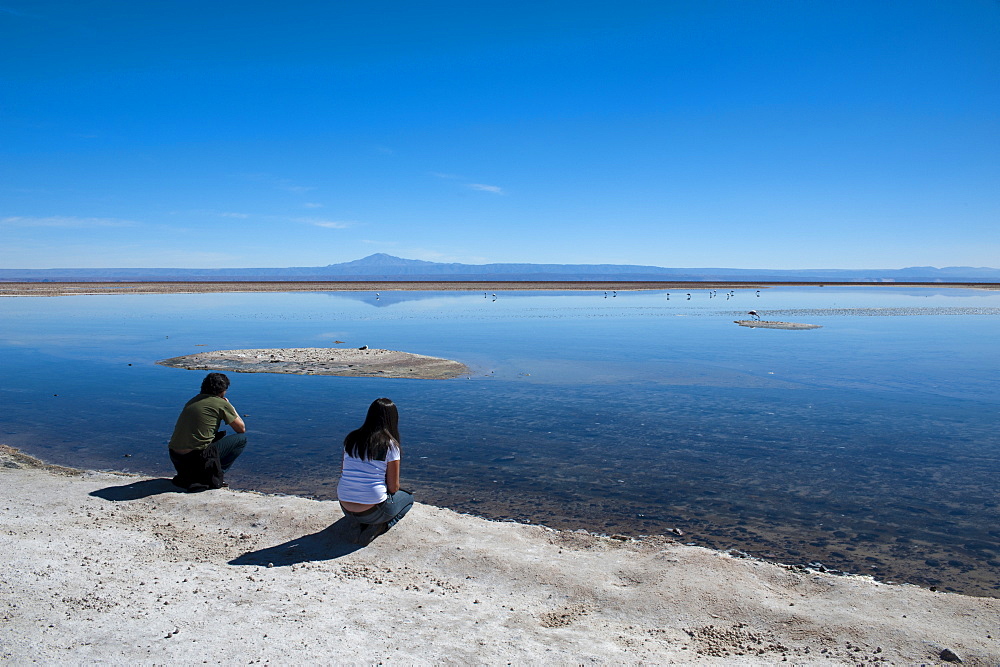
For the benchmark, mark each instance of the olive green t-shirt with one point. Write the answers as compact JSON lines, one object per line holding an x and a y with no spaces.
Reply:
{"x":199,"y":420}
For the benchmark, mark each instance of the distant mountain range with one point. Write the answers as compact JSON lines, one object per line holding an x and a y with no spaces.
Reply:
{"x":386,"y":267}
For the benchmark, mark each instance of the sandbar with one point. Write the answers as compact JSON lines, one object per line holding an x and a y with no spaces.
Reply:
{"x":766,"y":324}
{"x":111,"y":568}
{"x":343,"y":362}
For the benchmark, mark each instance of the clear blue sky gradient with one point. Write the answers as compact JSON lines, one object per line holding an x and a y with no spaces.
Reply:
{"x":769,"y":134}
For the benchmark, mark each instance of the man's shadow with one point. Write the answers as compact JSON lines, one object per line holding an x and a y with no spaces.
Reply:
{"x":137,"y":490}
{"x":332,"y":542}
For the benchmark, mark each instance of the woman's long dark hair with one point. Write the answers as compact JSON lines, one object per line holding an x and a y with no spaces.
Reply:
{"x":371,"y":442}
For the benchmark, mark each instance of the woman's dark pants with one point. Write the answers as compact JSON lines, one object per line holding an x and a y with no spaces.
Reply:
{"x":389,"y":511}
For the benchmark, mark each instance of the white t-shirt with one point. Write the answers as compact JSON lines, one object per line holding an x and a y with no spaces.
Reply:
{"x":363,"y":481}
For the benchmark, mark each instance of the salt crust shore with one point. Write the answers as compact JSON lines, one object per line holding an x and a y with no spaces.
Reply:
{"x":193,"y":287}
{"x":343,"y":362}
{"x":110,"y":568}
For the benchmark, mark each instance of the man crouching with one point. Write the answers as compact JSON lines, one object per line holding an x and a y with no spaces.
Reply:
{"x":200,"y":452}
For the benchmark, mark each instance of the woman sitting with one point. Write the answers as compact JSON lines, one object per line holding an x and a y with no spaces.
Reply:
{"x":369,"y":481}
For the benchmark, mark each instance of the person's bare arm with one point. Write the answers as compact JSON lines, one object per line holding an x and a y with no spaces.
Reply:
{"x":237,"y":424}
{"x":392,"y":476}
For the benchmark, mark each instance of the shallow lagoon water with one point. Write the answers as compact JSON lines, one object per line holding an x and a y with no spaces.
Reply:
{"x":869,"y":445}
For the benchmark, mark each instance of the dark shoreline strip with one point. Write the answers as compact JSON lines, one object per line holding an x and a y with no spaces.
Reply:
{"x":181,"y":287}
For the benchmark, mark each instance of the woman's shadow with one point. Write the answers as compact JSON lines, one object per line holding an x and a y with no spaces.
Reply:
{"x":332,"y":542}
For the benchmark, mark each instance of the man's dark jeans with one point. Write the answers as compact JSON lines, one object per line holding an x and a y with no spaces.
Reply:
{"x":204,"y":469}
{"x":230,"y":447}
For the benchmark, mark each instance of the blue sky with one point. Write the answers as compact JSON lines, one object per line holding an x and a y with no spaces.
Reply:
{"x":770,"y":134}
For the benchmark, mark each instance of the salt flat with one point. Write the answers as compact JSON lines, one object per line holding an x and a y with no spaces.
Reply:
{"x":104,"y":567}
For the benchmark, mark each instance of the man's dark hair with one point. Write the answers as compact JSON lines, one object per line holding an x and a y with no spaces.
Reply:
{"x":214,"y":384}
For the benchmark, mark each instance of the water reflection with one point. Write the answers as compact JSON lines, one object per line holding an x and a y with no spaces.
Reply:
{"x":868,"y":445}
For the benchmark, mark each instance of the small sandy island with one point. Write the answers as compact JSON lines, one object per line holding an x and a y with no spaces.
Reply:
{"x":345,"y":362}
{"x":765,"y":324}
{"x":109,"y":568}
